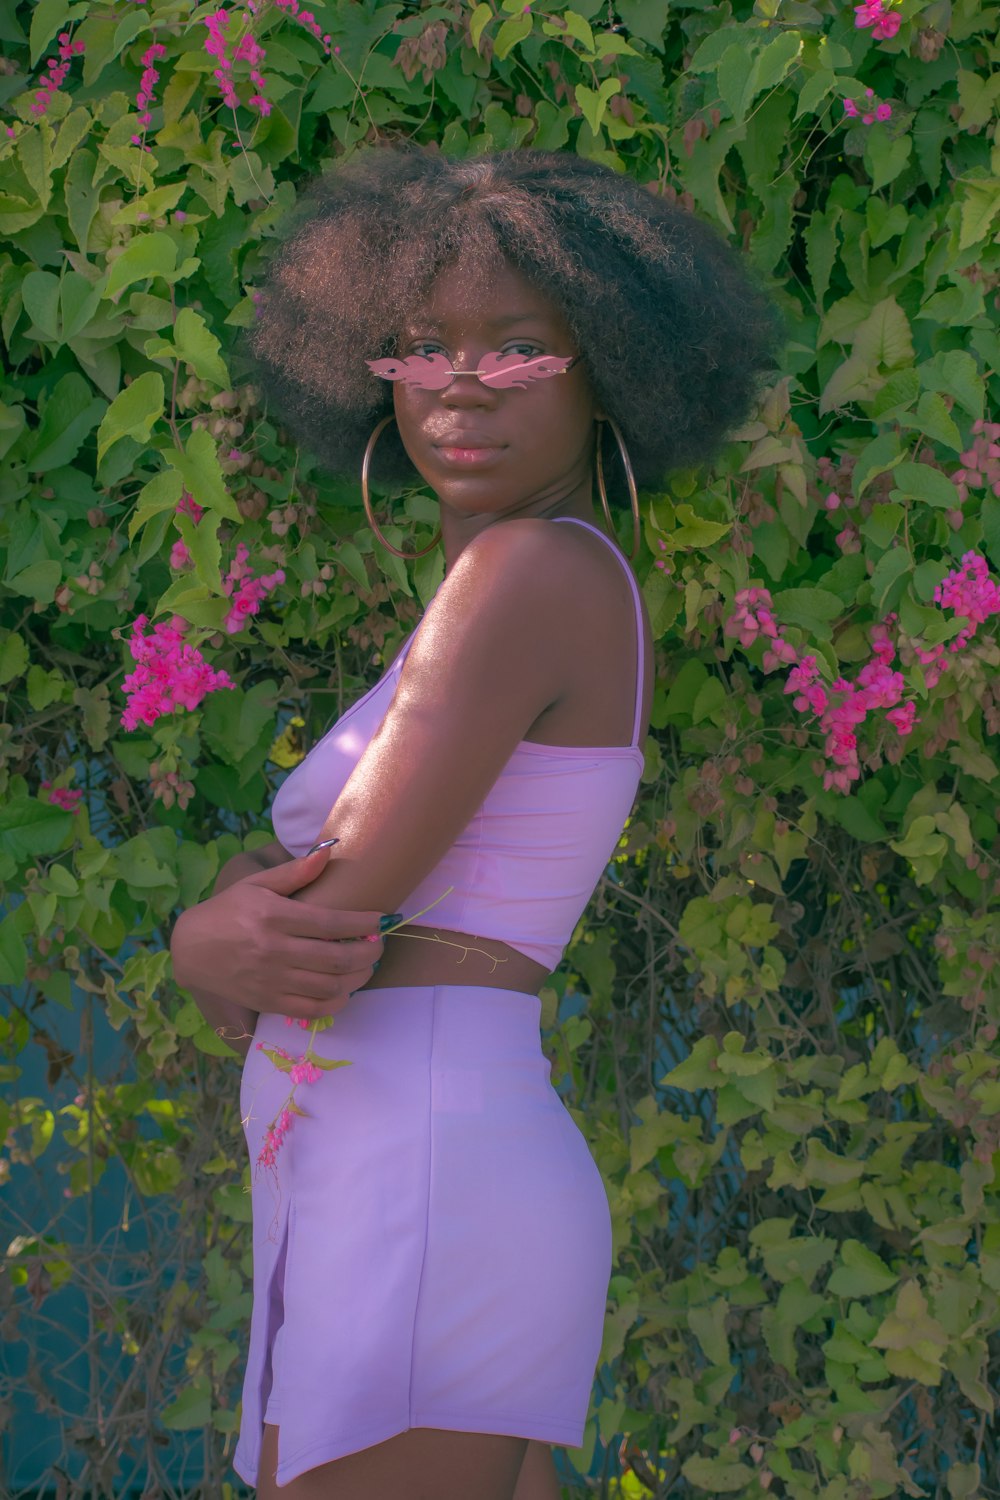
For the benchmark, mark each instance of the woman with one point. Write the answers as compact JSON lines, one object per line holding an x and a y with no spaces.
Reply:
{"x":431,"y":1262}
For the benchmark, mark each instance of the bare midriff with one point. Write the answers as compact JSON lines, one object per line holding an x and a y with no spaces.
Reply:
{"x":425,"y":958}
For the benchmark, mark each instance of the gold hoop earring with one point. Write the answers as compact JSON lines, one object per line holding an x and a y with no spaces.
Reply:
{"x":366,"y":497}
{"x":633,"y":493}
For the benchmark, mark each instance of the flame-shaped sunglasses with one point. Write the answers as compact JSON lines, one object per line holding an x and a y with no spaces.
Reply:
{"x":434,"y":372}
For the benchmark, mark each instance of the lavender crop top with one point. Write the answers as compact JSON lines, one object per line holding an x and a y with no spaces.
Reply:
{"x":526,"y":866}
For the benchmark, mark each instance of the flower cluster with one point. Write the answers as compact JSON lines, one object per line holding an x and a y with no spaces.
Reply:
{"x":53,"y":80}
{"x":247,"y":49}
{"x":871,"y":114}
{"x":884,"y":23}
{"x":302,"y":1070}
{"x":250,"y":590}
{"x":63,"y":796}
{"x":170,"y":675}
{"x":147,"y":88}
{"x":981,"y":463}
{"x":752,"y":617}
{"x":973,"y":595}
{"x":968,"y":591}
{"x":169,"y":787}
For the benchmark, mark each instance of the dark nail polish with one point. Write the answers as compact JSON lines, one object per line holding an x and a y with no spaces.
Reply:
{"x":390,"y":921}
{"x":376,"y":964}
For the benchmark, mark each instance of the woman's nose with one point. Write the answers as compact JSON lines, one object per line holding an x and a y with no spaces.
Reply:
{"x":465,"y":386}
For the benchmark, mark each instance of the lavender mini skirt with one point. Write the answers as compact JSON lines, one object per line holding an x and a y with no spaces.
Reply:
{"x":432,"y":1247}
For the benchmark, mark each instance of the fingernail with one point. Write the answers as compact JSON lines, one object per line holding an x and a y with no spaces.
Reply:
{"x":390,"y":921}
{"x":376,"y":964}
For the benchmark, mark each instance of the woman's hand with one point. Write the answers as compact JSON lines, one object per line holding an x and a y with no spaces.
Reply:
{"x":255,"y":947}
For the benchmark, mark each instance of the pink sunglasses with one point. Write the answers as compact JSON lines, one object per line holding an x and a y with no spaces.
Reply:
{"x":434,"y":372}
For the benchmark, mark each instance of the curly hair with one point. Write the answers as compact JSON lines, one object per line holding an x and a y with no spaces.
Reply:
{"x":676,"y":331}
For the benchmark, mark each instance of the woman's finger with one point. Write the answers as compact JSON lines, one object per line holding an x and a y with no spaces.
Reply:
{"x":299,"y":919}
{"x":348,"y":956}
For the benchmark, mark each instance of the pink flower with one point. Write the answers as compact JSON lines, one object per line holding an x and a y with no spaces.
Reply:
{"x":170,"y":674}
{"x":883,"y":111}
{"x":180,"y":557}
{"x":65,"y":797}
{"x":868,"y":14}
{"x":887,"y":26}
{"x":187,"y":502}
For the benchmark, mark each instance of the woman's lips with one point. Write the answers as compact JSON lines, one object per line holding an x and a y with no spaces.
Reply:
{"x":468,"y":457}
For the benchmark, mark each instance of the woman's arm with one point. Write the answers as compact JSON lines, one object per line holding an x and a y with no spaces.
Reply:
{"x":491,"y":655}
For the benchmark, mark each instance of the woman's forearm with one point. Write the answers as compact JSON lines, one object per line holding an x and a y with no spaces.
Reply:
{"x":232,"y":1022}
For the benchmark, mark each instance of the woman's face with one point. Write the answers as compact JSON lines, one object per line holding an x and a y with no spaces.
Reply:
{"x":491,"y":452}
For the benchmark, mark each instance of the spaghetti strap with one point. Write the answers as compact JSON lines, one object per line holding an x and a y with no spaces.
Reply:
{"x":639,"y":633}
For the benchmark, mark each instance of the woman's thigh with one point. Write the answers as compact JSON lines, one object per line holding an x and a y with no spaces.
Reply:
{"x":425,"y":1463}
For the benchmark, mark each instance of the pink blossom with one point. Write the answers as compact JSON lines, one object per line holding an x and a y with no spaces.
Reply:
{"x":180,"y":557}
{"x":883,"y":111}
{"x":63,"y":796}
{"x":249,"y":591}
{"x":868,"y":14}
{"x":887,"y":26}
{"x":902,"y":718}
{"x":187,"y":502}
{"x":170,"y":674}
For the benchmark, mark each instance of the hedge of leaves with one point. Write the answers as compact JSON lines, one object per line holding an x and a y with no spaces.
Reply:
{"x":777,"y":1024}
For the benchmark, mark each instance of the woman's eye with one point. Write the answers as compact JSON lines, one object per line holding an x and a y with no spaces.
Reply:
{"x":528,"y":351}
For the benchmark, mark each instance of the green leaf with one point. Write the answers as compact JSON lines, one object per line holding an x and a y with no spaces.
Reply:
{"x":511,"y":32}
{"x":693,"y":530}
{"x":861,"y":1273}
{"x":820,"y":238}
{"x":162,"y":492}
{"x":708,"y":1324}
{"x":647,"y":19}
{"x":203,"y":543}
{"x":481,"y":17}
{"x":718,"y":1476}
{"x":771,"y":65}
{"x":40,"y":295}
{"x":956,"y":373}
{"x":198,"y":466}
{"x":195,"y":345}
{"x":48,"y":17}
{"x":78,"y":301}
{"x":915,"y":1342}
{"x":39,"y":580}
{"x":13,"y":953}
{"x":594,"y":104}
{"x":694,"y":1072}
{"x":735,"y":68}
{"x":579,"y":29}
{"x":29,"y":828}
{"x":814,"y":91}
{"x":921,"y":482}
{"x":192,"y":1409}
{"x":884,"y":337}
{"x":71,"y":413}
{"x":146,"y":256}
{"x":13,"y":657}
{"x":811,"y":608}
{"x":935,"y":421}
{"x":980,"y":207}
{"x":885,"y":157}
{"x":878,"y":456}
{"x":897,"y":395}
{"x":889,"y":576}
{"x":854,"y":380}
{"x":133,"y":413}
